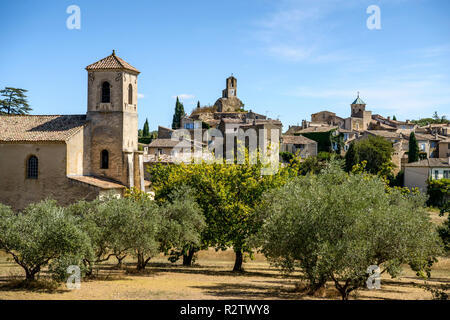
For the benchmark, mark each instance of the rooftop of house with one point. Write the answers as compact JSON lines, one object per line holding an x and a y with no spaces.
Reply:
{"x":111,"y":62}
{"x":324,"y":111}
{"x":382,"y":125}
{"x":35,"y":128}
{"x":431,"y":163}
{"x":426,"y":137}
{"x":385,"y":134}
{"x":317,"y":129}
{"x":167,"y":143}
{"x":98,"y":182}
{"x":286,"y":139}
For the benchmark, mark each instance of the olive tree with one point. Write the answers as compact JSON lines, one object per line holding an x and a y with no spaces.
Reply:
{"x":334,"y":225}
{"x":103,"y":223}
{"x":41,"y":233}
{"x":183,"y":223}
{"x":169,"y":226}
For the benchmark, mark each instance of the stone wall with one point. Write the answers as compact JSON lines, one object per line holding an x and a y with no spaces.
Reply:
{"x":17,"y":191}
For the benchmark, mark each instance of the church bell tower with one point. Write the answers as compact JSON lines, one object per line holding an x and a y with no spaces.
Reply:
{"x":113,"y":120}
{"x":230,"y":88}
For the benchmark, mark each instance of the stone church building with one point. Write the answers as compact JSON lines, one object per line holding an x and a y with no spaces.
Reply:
{"x":73,"y":157}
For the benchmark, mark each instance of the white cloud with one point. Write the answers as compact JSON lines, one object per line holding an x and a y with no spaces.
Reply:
{"x":407,"y":99}
{"x":184,"y":96}
{"x":300,"y":31}
{"x":141,"y":96}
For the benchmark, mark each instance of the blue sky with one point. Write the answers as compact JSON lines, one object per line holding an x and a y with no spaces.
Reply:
{"x":291,"y":58}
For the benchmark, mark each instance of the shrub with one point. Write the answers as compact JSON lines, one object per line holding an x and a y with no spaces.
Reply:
{"x":333,"y":226}
{"x":41,"y":233}
{"x":438,"y":192}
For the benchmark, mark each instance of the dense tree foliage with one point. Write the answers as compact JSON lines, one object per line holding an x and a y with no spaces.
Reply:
{"x":377,"y":151}
{"x":334,"y":225}
{"x":438,"y":192}
{"x":145,"y":129}
{"x":41,"y":233}
{"x":413,"y":152}
{"x":435,"y":119}
{"x":14,"y":101}
{"x":228,"y":195}
{"x":178,"y":115}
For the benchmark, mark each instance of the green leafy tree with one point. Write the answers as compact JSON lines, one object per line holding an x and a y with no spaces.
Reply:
{"x":228,"y":195}
{"x":413,"y":153}
{"x":145,"y":129}
{"x":41,"y":233}
{"x":436,"y":116}
{"x":14,"y":102}
{"x":178,"y":115}
{"x":184,"y":221}
{"x":435,"y":119}
{"x":444,"y":230}
{"x":334,"y":225}
{"x":172,"y":227}
{"x":394,"y":118}
{"x":377,"y":151}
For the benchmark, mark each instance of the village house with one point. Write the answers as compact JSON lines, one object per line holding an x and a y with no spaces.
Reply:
{"x":417,"y":173}
{"x":444,"y":148}
{"x":228,"y":116}
{"x":74,"y":157}
{"x":299,"y":145}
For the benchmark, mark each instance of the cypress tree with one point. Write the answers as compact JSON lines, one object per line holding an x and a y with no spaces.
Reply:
{"x":146,"y":130}
{"x":178,"y":115}
{"x":413,"y":154}
{"x":394,"y":118}
{"x":198,"y":104}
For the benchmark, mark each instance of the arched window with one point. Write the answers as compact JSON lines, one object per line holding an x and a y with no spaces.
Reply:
{"x":130,"y":94}
{"x":32,"y":167}
{"x":104,"y":160}
{"x":106,"y":96}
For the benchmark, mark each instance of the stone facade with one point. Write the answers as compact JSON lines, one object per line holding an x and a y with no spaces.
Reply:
{"x":229,"y":101}
{"x":78,"y":157}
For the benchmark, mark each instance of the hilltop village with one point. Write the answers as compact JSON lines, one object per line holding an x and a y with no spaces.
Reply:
{"x":72,"y":157}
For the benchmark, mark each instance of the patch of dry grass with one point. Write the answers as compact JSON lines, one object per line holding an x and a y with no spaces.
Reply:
{"x":210,"y":278}
{"x":435,"y":216}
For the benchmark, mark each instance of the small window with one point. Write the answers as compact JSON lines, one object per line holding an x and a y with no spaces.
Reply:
{"x":104,"y":160}
{"x":130,"y":94}
{"x":32,"y":167}
{"x":106,"y":92}
{"x":436,"y":174}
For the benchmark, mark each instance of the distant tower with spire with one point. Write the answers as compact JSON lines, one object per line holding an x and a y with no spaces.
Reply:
{"x":358,"y":107}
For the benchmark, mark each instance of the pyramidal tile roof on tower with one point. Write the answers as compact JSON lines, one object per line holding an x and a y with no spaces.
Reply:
{"x":358,"y":101}
{"x":112,"y":62}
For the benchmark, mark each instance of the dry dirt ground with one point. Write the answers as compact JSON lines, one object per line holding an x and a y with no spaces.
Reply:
{"x":210,"y":278}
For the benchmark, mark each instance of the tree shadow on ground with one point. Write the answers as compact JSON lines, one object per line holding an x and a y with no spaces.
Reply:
{"x":39,"y":286}
{"x":208,"y":272}
{"x":250,"y":291}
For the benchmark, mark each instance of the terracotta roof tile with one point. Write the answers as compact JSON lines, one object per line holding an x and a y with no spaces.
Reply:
{"x":297,"y":140}
{"x":431,"y":162}
{"x":35,"y":128}
{"x":97,"y":182}
{"x":111,"y":62}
